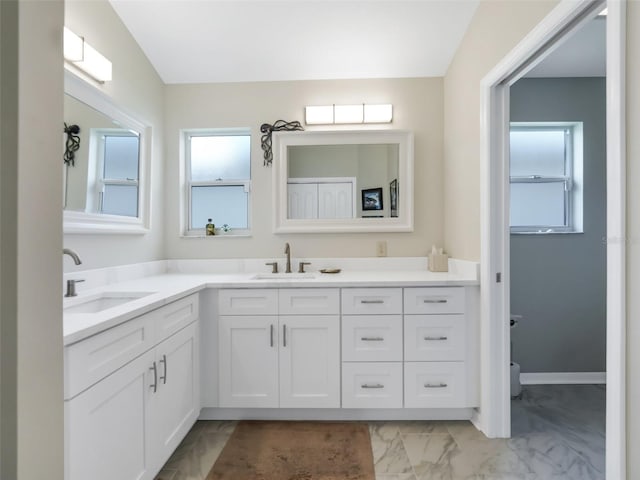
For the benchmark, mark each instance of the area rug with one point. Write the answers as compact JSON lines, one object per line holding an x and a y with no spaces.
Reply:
{"x":260,"y":450}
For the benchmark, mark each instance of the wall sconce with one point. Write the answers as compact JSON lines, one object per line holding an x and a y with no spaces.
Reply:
{"x":344,"y":114}
{"x":83,"y":56}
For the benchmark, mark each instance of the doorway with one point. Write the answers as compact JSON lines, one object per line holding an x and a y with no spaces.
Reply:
{"x":494,"y":416}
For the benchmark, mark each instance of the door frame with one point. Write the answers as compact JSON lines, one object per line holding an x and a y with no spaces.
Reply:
{"x":494,"y":416}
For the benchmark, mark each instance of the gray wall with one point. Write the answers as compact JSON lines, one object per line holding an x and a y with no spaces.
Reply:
{"x":558,"y":282}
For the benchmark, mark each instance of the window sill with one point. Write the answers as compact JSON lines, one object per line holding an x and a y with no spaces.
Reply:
{"x":217,"y":235}
{"x":554,"y":232}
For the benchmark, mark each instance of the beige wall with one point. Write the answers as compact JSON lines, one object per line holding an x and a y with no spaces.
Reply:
{"x":31,"y":401}
{"x":417,"y":107}
{"x":633,"y":238}
{"x":136,"y":87}
{"x":495,"y":29}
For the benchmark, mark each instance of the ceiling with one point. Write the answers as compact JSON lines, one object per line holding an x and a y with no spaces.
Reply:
{"x":203,"y":41}
{"x":582,"y":55}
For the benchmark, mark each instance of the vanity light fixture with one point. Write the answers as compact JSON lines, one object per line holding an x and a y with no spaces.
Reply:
{"x":83,"y":56}
{"x":348,"y":114}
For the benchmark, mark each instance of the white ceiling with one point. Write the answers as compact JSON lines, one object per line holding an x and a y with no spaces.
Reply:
{"x":202,"y":41}
{"x":581,"y":55}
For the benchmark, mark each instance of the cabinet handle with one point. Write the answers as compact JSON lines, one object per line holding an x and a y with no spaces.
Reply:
{"x":271,"y":335}
{"x":155,"y":378}
{"x":375,"y":385}
{"x":435,"y":385}
{"x":284,"y":335}
{"x":440,"y":300}
{"x":371,"y":301}
{"x":164,"y":363}
{"x":372,"y":339}
{"x":435,"y":338}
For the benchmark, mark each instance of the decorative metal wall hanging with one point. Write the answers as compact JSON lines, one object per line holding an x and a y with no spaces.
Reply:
{"x":267,"y":130}
{"x":72,"y":144}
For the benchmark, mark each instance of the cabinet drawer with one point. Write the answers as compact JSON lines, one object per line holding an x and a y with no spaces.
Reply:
{"x":434,"y":338}
{"x":435,"y":385}
{"x":372,"y":338}
{"x":248,"y":302}
{"x":92,"y":359}
{"x":434,"y":300}
{"x":363,"y":301}
{"x":372,"y":385}
{"x":309,"y":301}
{"x":174,"y":316}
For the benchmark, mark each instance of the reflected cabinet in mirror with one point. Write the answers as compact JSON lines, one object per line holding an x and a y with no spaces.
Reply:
{"x":343,"y":181}
{"x":105,"y":184}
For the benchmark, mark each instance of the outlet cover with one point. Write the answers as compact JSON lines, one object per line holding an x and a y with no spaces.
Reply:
{"x":381,"y":248}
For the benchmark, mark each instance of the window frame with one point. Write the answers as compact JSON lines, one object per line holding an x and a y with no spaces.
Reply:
{"x":572,"y":195}
{"x":102,"y":181}
{"x":189,"y":184}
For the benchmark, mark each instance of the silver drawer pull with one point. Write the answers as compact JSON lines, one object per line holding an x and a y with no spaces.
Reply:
{"x":435,"y":301}
{"x":372,"y":301}
{"x":271,"y":335}
{"x":428,"y":339}
{"x":155,"y":377}
{"x":435,"y":385}
{"x":374,"y":385}
{"x":372,"y":339}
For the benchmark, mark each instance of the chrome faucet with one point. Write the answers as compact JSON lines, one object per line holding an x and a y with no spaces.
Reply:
{"x":287,"y":250}
{"x":72,"y":254}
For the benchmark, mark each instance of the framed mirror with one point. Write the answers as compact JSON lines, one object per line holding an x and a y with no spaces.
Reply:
{"x":106,"y":184}
{"x":343,"y":181}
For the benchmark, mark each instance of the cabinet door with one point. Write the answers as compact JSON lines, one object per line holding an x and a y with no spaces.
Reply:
{"x":248,"y":361}
{"x":175,"y":404}
{"x":105,"y":426}
{"x":310,"y":361}
{"x":302,"y":200}
{"x":335,"y":200}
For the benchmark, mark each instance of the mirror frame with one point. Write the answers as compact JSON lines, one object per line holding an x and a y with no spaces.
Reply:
{"x":402,"y":223}
{"x":76,"y":222}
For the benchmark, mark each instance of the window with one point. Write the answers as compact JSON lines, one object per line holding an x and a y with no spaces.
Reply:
{"x":545,"y":177}
{"x":117,"y":171}
{"x":218,"y":173}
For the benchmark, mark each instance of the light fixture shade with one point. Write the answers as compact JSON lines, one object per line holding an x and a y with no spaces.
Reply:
{"x":83,"y":56}
{"x":348,"y":113}
{"x":95,"y":64}
{"x":73,"y":46}
{"x":378,"y":113}
{"x":319,"y":115}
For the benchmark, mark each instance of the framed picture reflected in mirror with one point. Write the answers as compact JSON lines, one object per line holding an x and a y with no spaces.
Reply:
{"x":372,"y":199}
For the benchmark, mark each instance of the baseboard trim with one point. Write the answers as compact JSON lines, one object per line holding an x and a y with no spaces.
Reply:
{"x":555,"y":378}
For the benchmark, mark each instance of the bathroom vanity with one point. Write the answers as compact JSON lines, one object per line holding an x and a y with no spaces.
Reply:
{"x":146,"y":357}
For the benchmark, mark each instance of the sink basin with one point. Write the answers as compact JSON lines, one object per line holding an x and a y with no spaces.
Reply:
{"x":103,"y":301}
{"x":284,"y":276}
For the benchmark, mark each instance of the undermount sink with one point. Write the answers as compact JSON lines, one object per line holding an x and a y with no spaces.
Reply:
{"x":284,"y":276}
{"x":102,"y":301}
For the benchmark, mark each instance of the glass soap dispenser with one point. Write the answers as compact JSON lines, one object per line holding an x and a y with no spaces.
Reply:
{"x":210,"y":228}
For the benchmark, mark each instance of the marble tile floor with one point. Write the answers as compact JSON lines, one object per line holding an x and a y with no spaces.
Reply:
{"x":558,"y":432}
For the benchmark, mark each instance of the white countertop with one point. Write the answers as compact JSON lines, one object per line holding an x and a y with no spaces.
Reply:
{"x":168,"y":287}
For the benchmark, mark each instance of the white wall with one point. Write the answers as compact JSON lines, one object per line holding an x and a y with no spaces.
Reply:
{"x":496,"y":28}
{"x":559,"y":281}
{"x":136,"y":87}
{"x":31,"y":406}
{"x":417,"y":107}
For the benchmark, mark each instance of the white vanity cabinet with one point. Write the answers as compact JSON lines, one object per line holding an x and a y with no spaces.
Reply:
{"x":124,"y":420}
{"x":279,"y":348}
{"x":437,"y":347}
{"x":372,"y":348}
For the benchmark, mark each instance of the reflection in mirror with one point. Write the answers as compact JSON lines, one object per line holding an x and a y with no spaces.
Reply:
{"x":343,"y":181}
{"x":104,"y":185}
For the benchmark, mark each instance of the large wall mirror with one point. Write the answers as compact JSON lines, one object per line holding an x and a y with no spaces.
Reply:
{"x":343,"y":181}
{"x":106,"y":185}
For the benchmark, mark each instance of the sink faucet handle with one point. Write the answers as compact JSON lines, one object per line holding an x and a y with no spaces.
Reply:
{"x":274,"y":266}
{"x":71,"y":287}
{"x":301,"y":266}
